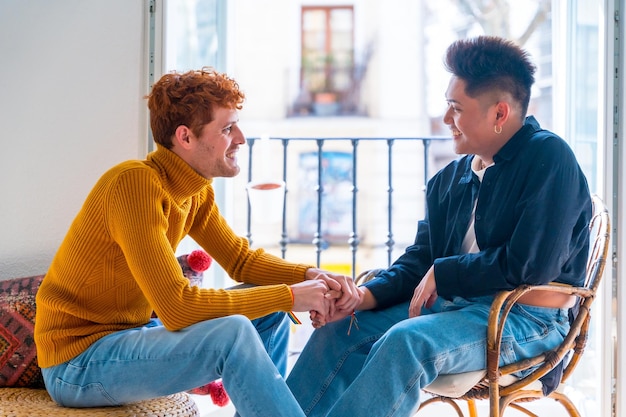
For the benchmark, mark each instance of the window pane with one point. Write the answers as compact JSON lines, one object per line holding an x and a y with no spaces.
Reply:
{"x":527,"y":23}
{"x":327,"y":53}
{"x":192,"y":40}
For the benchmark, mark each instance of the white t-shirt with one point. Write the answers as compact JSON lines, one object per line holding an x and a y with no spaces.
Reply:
{"x":469,"y":242}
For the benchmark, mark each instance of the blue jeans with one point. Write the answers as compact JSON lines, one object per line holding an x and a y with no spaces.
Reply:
{"x":380,"y":369}
{"x":150,"y":361}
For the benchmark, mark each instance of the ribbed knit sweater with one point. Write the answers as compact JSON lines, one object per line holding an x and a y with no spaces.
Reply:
{"x":117,"y":262}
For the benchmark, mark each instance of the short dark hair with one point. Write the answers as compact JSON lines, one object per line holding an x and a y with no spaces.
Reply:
{"x":491,"y":63}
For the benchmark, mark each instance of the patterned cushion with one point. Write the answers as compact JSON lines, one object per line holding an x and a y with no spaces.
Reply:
{"x":18,"y":356}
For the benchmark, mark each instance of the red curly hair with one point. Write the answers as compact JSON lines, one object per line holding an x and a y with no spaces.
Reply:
{"x":188,"y":99}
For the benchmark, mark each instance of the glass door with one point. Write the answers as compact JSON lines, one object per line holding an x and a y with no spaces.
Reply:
{"x":564,"y":40}
{"x":194,"y":37}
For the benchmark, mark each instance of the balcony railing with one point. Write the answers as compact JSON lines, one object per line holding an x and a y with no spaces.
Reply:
{"x":343,"y":188}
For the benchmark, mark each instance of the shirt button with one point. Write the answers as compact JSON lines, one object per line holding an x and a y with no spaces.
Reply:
{"x":477,"y":217}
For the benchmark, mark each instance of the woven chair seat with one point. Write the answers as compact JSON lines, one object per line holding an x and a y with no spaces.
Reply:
{"x":28,"y":402}
{"x":457,"y":385}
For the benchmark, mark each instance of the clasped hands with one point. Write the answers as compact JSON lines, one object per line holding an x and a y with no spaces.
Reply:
{"x":326,"y":296}
{"x":330,"y":297}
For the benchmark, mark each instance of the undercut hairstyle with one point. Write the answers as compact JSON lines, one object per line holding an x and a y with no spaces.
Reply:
{"x":189,"y":99}
{"x":492,"y":64}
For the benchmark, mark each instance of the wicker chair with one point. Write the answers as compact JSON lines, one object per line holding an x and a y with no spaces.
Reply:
{"x":497,"y":383}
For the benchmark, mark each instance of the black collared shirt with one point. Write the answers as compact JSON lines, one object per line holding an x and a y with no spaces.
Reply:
{"x":531,"y":223}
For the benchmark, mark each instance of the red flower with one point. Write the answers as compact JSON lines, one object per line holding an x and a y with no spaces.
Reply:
{"x":216,"y":390}
{"x":218,"y":393}
{"x":199,"y":260}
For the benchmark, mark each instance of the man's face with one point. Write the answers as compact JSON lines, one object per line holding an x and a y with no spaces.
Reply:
{"x":214,"y":152}
{"x":471,"y":120}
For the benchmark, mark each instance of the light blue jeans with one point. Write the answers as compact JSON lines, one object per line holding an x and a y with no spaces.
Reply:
{"x":380,"y":369}
{"x":150,"y":361}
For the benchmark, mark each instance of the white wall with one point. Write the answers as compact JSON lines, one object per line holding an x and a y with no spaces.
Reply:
{"x":72,"y":81}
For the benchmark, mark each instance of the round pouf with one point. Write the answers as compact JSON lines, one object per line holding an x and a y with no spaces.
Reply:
{"x":23,"y":402}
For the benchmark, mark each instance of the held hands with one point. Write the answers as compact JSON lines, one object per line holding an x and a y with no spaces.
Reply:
{"x":341,"y":288}
{"x":318,"y":319}
{"x":311,"y":295}
{"x":425,"y":294}
{"x":343,"y":296}
{"x":342,"y":304}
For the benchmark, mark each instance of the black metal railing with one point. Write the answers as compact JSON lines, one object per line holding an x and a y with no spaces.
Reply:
{"x":319,"y":239}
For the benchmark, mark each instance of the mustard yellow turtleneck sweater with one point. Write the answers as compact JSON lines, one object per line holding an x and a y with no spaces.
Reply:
{"x":117,"y":262}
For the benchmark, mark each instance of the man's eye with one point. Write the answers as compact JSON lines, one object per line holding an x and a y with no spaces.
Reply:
{"x":228,"y":129}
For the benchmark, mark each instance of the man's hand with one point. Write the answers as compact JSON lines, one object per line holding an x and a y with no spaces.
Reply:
{"x":318,"y":320}
{"x":311,"y":295}
{"x":425,"y":293}
{"x":342,"y":288}
{"x":366,"y":302}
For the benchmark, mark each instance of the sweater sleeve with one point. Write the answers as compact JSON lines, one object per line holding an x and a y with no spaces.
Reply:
{"x":140,"y":220}
{"x":233,"y":252}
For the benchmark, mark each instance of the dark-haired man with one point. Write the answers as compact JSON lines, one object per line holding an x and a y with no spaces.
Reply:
{"x":514,"y":210}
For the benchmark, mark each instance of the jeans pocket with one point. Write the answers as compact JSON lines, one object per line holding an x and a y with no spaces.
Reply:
{"x":73,"y":395}
{"x":507,"y":353}
{"x":527,"y":326}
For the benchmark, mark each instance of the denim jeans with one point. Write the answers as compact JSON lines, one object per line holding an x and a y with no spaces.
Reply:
{"x":150,"y":361}
{"x":380,"y":369}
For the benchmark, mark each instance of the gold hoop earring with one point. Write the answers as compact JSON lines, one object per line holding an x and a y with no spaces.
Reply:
{"x":497,"y":129}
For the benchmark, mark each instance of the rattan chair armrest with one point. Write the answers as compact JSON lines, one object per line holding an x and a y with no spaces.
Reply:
{"x":501,"y":306}
{"x":367,"y":275}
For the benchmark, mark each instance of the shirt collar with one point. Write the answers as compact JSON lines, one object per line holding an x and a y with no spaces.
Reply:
{"x":518,"y":140}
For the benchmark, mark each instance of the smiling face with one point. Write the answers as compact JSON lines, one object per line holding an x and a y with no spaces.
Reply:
{"x":471,"y":121}
{"x":214,"y":152}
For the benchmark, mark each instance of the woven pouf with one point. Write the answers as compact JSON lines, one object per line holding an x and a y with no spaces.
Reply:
{"x":26,"y":402}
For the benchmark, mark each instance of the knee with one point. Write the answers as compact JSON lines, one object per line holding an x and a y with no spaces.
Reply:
{"x":399,"y":336}
{"x":237,"y":323}
{"x":232,"y":328}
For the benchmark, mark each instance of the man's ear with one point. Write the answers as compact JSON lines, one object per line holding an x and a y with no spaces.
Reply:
{"x":501,"y":114}
{"x":182,"y":137}
{"x":503,"y":111}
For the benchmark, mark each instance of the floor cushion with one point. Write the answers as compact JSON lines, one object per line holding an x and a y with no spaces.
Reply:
{"x":18,"y":355}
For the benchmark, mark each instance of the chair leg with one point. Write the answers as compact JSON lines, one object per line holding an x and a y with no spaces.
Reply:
{"x":565,"y":402}
{"x":471,"y":407}
{"x":449,"y":401}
